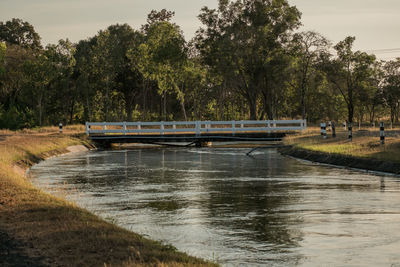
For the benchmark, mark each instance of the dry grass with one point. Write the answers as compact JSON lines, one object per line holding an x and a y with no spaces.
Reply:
{"x":365,"y":144}
{"x":57,"y":232}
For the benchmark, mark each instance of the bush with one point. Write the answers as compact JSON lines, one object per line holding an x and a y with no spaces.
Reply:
{"x":14,"y":119}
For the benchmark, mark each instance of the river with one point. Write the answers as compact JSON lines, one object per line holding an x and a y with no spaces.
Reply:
{"x":222,"y":205}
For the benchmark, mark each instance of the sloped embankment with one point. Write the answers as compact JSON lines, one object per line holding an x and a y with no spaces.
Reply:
{"x":342,"y":160}
{"x":39,"y":229}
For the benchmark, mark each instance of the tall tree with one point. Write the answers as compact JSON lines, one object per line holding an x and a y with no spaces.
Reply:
{"x":3,"y":49}
{"x":157,"y":16}
{"x":40,"y":73}
{"x":349,"y":72}
{"x":85,"y":77}
{"x":308,"y":46}
{"x":391,"y":87}
{"x":370,"y":97}
{"x":19,"y":32}
{"x":63,"y":90}
{"x":103,"y":67}
{"x":128,"y":80}
{"x":161,"y":58}
{"x":13,"y":78}
{"x":194,"y":84}
{"x":116,"y":79}
{"x":243,"y":41}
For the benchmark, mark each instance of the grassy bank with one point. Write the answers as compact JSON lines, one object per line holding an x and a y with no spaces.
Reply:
{"x":364,"y":151}
{"x":37,"y":228}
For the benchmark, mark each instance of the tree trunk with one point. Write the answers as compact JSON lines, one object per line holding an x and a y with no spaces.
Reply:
{"x":392,"y":114}
{"x":144,"y":111}
{"x":165,"y":106}
{"x":221,"y":103}
{"x":303,"y":99}
{"x":106,"y":103}
{"x":87,"y":109}
{"x":252,"y":102}
{"x":372,"y":114}
{"x":268,"y":106}
{"x":261,"y":117}
{"x":71,"y":112}
{"x":160,"y":113}
{"x":40,"y":109}
{"x":221,"y":109}
{"x":183,"y":109}
{"x":128,"y":109}
{"x":196,"y":108}
{"x":253,"y":109}
{"x":89,"y":115}
{"x":350,"y":109}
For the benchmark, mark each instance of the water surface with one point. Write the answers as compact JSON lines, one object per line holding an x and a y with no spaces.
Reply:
{"x":222,"y":205}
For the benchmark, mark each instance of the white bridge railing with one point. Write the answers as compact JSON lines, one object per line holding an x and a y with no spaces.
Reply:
{"x":196,"y":127}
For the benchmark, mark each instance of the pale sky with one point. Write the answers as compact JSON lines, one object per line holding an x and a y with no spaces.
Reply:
{"x":375,"y":23}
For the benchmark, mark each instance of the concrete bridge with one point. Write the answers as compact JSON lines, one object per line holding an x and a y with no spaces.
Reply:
{"x":191,"y":132}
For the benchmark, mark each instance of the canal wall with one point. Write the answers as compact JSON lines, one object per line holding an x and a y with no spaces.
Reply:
{"x":342,"y":160}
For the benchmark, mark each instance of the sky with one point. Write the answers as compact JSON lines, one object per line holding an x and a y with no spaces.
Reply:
{"x":374,"y":23}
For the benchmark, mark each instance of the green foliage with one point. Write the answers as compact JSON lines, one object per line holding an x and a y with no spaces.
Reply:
{"x":391,"y":88}
{"x":19,"y":32}
{"x":307,"y":50}
{"x":245,"y":62}
{"x":350,"y":73}
{"x":3,"y":50}
{"x":14,"y":119}
{"x":161,"y":58}
{"x":243,"y":41}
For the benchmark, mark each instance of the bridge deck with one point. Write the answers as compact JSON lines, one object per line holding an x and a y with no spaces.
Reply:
{"x":191,"y":138}
{"x":196,"y":132}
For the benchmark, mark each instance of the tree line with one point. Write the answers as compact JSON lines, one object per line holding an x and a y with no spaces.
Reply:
{"x":247,"y":61}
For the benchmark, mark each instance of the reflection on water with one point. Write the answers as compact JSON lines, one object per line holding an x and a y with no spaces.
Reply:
{"x":220,"y":204}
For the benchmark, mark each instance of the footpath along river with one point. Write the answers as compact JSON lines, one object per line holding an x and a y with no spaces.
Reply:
{"x":222,"y":205}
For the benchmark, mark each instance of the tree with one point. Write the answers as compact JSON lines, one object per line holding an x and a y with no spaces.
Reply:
{"x":3,"y":49}
{"x":106,"y":67}
{"x":391,"y":87}
{"x":350,"y":72}
{"x":161,"y":58}
{"x":128,"y":80}
{"x":157,"y":16}
{"x":103,"y":68}
{"x":308,"y":47}
{"x":19,"y":32}
{"x":243,"y":41}
{"x":84,"y":76}
{"x":13,"y":78}
{"x":369,"y":98}
{"x":63,"y":91}
{"x":194,"y":78}
{"x":39,"y":73}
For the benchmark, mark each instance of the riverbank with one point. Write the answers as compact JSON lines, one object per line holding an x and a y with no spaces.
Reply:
{"x":38,"y":229}
{"x":363,"y":152}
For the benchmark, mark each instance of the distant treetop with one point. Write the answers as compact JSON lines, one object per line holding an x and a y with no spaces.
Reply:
{"x":19,"y":32}
{"x":157,"y":16}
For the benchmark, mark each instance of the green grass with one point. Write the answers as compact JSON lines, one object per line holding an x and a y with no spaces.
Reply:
{"x":363,"y":145}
